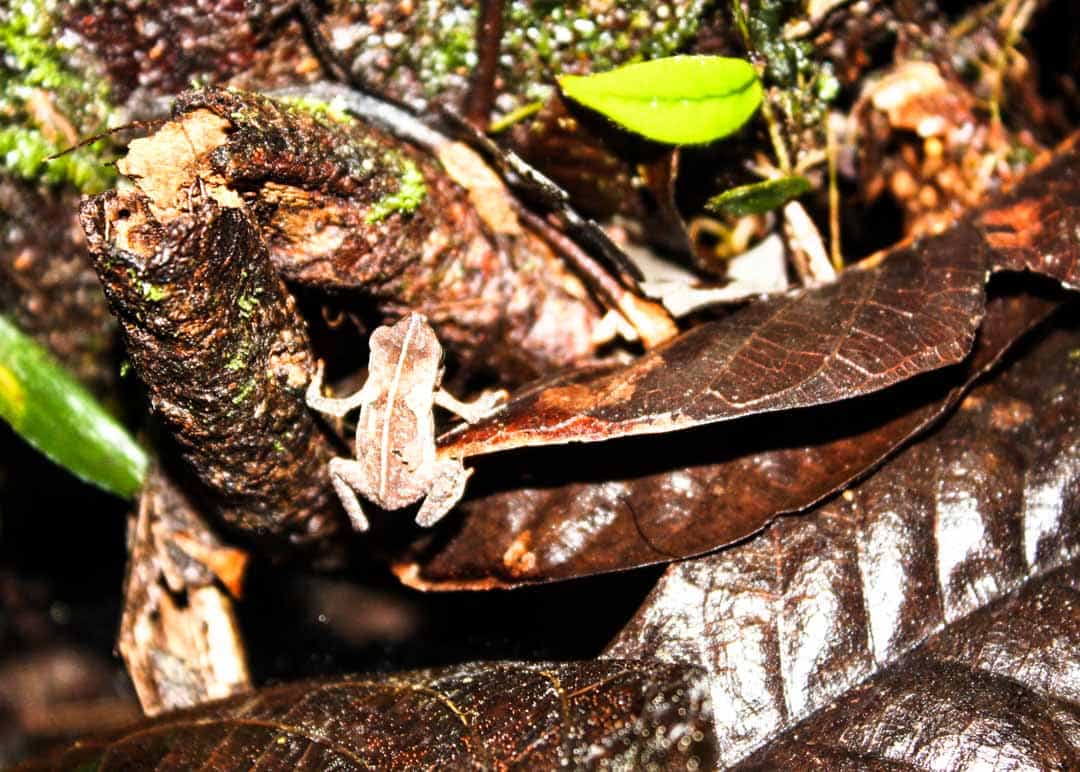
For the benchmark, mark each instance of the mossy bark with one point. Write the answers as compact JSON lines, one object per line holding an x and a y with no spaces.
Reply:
{"x":215,"y":336}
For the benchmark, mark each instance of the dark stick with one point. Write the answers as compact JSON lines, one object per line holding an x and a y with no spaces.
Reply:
{"x":481,"y":95}
{"x":539,"y":188}
{"x":594,"y":274}
{"x":324,"y":52}
{"x":329,"y":58}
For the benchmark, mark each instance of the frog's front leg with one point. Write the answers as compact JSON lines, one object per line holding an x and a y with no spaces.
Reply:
{"x":349,"y":476}
{"x":331,"y":405}
{"x":447,"y":487}
{"x":481,"y":407}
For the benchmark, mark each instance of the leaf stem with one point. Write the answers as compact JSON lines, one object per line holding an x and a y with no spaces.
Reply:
{"x":835,"y":251}
{"x":783,"y":158}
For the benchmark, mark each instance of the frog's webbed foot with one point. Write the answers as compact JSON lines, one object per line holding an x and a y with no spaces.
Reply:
{"x":471,"y":412}
{"x":447,"y":487}
{"x":349,"y":476}
{"x":331,"y":405}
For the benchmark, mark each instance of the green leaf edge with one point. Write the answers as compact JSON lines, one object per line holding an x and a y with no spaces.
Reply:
{"x":657,"y":99}
{"x":36,"y":390}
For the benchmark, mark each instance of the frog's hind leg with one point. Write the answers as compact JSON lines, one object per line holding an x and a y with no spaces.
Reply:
{"x":348,"y":477}
{"x":447,"y":487}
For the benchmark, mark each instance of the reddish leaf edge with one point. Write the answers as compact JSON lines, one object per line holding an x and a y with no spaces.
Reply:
{"x":983,"y":366}
{"x":1018,"y":230}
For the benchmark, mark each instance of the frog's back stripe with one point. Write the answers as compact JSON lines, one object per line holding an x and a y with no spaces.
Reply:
{"x":391,"y":398}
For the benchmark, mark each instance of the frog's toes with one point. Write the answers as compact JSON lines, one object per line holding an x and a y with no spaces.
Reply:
{"x":447,"y":488}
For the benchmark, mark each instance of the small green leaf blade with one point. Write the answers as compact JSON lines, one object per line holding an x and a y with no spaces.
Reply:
{"x":758,"y":197}
{"x":679,"y":100}
{"x":55,"y":414}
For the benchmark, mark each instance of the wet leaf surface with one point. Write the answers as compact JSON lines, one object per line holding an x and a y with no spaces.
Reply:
{"x":995,"y":689}
{"x":654,"y":499}
{"x":932,"y":608}
{"x":1036,"y":226}
{"x":916,"y":310}
{"x":534,"y":715}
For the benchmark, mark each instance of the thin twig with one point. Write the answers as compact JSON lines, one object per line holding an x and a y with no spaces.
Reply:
{"x":783,"y":158}
{"x":324,"y":52}
{"x":651,"y":321}
{"x":835,"y":251}
{"x":481,"y":95}
{"x":600,"y":280}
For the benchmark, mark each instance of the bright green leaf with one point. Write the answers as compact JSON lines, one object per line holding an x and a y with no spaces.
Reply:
{"x":56,"y":415}
{"x":680,"y":100}
{"x":758,"y":197}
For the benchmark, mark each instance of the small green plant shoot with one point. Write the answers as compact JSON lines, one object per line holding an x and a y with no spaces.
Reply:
{"x":678,"y":100}
{"x":758,"y":197}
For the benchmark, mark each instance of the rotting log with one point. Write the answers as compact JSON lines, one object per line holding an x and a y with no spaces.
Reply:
{"x":347,"y":208}
{"x":215,"y":336}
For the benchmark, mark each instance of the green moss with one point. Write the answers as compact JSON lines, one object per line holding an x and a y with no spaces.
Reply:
{"x":239,"y":359}
{"x":237,"y":362}
{"x":244,"y":393}
{"x":322,"y":111}
{"x":1020,"y":156}
{"x":149,"y":291}
{"x":247,"y":304}
{"x":45,"y":93}
{"x":587,"y":37}
{"x":152,"y":292}
{"x":409,"y":195}
{"x":453,"y":53}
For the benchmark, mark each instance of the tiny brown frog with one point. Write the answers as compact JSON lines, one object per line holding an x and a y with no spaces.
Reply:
{"x":395,"y":463}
